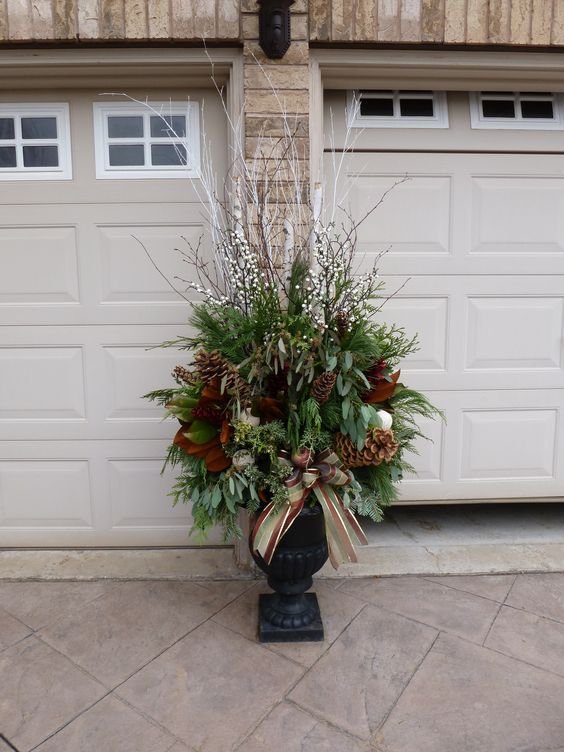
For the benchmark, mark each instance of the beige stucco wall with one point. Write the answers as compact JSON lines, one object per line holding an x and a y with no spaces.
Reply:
{"x":514,"y":22}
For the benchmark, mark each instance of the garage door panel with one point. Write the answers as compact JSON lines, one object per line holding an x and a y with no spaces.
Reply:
{"x":42,"y":384}
{"x":90,"y":259}
{"x":84,"y":493}
{"x":500,"y":210}
{"x":142,"y":264}
{"x":43,"y":265}
{"x":493,"y":445}
{"x":420,"y":203}
{"x":513,"y":333}
{"x":85,"y":382}
{"x":517,"y":215}
{"x":39,"y":494}
{"x":472,"y":337}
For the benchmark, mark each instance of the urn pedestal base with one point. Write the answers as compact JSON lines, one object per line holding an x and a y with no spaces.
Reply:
{"x":290,"y":614}
{"x":304,"y":626}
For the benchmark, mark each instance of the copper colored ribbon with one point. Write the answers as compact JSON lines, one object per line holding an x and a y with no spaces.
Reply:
{"x":320,"y":478}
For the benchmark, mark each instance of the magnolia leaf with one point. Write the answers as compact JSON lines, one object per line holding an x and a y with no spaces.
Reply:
{"x":201,"y":432}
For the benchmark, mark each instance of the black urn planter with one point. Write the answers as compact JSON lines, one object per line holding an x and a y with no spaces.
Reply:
{"x":290,"y":614}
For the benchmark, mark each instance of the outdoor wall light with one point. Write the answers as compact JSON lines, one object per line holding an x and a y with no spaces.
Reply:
{"x":274,"y":27}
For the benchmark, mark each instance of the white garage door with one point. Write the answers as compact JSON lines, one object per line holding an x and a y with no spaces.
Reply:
{"x":80,"y":303}
{"x":476,"y":232}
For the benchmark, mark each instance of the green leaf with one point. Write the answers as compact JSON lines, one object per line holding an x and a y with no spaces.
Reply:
{"x":216,"y":497}
{"x":281,"y":346}
{"x":345,"y":407}
{"x":346,"y":388}
{"x":331,"y":363}
{"x":348,"y":361}
{"x":201,"y":432}
{"x":339,"y":384}
{"x":231,"y":486}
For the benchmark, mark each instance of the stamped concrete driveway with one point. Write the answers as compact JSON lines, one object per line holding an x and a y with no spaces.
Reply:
{"x":410,"y":664}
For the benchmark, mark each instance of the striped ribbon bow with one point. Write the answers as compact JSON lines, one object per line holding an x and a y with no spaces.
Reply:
{"x":319,"y":478}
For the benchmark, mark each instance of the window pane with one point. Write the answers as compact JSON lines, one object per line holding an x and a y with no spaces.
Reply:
{"x":7,"y":156}
{"x":39,"y":127}
{"x":377,"y":107}
{"x":125,"y":126}
{"x":7,"y":128}
{"x":416,"y":107}
{"x":168,"y":125}
{"x":168,"y":154}
{"x":532,"y":109}
{"x":498,"y":108}
{"x":127,"y":155}
{"x":41,"y":156}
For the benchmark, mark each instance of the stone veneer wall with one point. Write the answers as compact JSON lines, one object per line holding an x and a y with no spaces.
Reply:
{"x":512,"y":22}
{"x":115,"y":20}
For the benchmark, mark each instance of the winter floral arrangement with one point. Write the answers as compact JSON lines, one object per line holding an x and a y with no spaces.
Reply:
{"x":290,"y":393}
{"x":293,"y":394}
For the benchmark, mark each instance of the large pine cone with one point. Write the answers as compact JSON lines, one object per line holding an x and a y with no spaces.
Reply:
{"x":210,"y":366}
{"x":380,"y":446}
{"x":323,"y":386}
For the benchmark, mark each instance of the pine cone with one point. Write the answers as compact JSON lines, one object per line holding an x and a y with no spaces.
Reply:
{"x":323,"y":386}
{"x":342,"y":323}
{"x":183,"y":375}
{"x":210,"y":366}
{"x":380,"y":446}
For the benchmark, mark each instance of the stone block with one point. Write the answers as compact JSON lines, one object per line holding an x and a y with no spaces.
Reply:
{"x":477,"y":22}
{"x":64,"y":19}
{"x":42,"y":19}
{"x":388,"y":20}
{"x":136,"y":19}
{"x":432,"y":21}
{"x":410,"y":21}
{"x":276,"y":76}
{"x":542,"y":20}
{"x":158,"y":19}
{"x":499,"y":21}
{"x":112,"y":17}
{"x":520,"y":21}
{"x":320,"y":20}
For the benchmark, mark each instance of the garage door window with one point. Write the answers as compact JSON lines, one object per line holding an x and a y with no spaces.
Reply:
{"x":397,"y":109}
{"x":34,"y":142}
{"x":516,"y":110}
{"x":147,"y":141}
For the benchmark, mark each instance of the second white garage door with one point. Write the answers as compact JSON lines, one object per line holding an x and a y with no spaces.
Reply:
{"x":476,"y":232}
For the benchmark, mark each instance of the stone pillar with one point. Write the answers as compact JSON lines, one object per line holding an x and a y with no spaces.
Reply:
{"x":274,"y":86}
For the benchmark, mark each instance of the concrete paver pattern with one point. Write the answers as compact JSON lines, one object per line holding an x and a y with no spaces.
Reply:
{"x":410,"y":664}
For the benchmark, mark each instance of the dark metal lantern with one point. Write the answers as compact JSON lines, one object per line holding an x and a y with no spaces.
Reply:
{"x":274,"y":27}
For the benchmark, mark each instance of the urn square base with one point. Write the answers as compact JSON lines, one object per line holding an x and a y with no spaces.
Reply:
{"x":312,"y":632}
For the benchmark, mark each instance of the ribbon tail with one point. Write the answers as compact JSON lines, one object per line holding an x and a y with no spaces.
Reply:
{"x":340,"y":532}
{"x":272,"y":525}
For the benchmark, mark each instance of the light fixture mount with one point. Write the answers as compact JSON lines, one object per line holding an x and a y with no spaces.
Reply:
{"x":274,"y":27}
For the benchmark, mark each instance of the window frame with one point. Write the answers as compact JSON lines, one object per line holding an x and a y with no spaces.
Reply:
{"x":61,"y":112}
{"x":479,"y":122}
{"x":356,"y":120}
{"x":103,"y":110}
